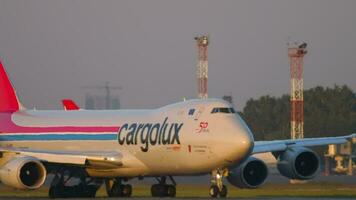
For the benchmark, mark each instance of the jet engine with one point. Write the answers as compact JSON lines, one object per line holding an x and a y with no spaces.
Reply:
{"x":23,"y":172}
{"x":251,"y":174}
{"x":298,"y":163}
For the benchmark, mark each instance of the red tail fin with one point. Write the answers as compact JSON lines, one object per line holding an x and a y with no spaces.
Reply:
{"x":69,"y":104}
{"x":8,"y":99}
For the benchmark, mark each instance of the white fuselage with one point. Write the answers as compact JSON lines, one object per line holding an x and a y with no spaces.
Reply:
{"x":178,"y":139}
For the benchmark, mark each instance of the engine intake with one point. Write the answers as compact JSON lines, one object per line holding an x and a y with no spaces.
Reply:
{"x":251,"y":174}
{"x":23,"y":172}
{"x":298,"y":163}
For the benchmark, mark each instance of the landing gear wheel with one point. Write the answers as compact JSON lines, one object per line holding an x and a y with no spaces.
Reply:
{"x":126,"y":190}
{"x":171,"y":190}
{"x":86,"y":187}
{"x":158,"y":190}
{"x":223,"y":191}
{"x":53,"y":192}
{"x":115,"y":190}
{"x":154,"y":191}
{"x":83,"y":191}
{"x":214,"y":191}
{"x":162,"y":189}
{"x":217,"y":188}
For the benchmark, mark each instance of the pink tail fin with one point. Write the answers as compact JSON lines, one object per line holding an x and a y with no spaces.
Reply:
{"x":69,"y":104}
{"x":8,"y":99}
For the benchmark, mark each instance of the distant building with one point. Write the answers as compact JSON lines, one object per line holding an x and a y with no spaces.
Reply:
{"x":99,"y":102}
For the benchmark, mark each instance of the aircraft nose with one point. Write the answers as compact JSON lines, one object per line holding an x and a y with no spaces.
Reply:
{"x":243,"y":141}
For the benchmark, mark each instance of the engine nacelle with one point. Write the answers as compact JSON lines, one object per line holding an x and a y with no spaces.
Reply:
{"x":298,"y":163}
{"x":23,"y":172}
{"x":251,"y":174}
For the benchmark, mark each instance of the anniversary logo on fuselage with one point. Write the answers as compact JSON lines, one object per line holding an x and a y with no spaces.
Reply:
{"x":149,"y":134}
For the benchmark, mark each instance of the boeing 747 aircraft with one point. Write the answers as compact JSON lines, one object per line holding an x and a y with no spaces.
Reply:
{"x":193,"y":137}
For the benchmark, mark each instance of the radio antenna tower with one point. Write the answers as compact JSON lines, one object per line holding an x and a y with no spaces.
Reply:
{"x":202,"y":71}
{"x":296,"y":55}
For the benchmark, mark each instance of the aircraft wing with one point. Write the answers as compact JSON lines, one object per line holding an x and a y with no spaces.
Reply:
{"x":282,"y":145}
{"x":105,"y":159}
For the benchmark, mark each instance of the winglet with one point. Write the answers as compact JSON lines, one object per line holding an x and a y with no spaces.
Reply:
{"x":69,"y":104}
{"x":8,"y":99}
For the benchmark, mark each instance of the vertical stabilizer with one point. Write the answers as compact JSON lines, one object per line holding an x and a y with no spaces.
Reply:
{"x":8,"y":99}
{"x":69,"y":104}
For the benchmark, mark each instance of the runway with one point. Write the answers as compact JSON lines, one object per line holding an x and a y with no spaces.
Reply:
{"x":277,"y":187}
{"x":266,"y":198}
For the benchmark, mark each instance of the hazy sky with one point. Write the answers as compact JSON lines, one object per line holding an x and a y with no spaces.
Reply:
{"x":52,"y":48}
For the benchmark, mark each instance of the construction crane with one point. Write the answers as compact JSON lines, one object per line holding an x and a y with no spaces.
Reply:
{"x":107,"y":89}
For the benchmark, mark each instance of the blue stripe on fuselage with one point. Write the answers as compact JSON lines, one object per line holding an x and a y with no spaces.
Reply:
{"x":58,"y":137}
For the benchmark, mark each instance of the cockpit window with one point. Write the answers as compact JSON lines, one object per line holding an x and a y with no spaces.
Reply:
{"x":191,"y":111}
{"x":223,"y":110}
{"x":232,"y":110}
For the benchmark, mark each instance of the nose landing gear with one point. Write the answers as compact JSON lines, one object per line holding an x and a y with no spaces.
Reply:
{"x":162,"y":189}
{"x":217,"y":187}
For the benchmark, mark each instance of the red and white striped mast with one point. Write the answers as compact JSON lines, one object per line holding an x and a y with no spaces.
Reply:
{"x":202,"y":68}
{"x":296,"y":55}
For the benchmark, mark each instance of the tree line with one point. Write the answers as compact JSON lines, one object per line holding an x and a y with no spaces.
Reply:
{"x":327,"y":112}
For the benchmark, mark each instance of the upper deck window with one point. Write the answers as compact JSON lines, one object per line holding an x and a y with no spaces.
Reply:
{"x":223,"y":110}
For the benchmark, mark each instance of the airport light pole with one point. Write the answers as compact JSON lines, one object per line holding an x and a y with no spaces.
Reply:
{"x":296,"y":55}
{"x":202,"y":68}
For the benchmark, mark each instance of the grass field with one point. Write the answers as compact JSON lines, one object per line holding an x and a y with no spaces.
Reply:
{"x":269,"y":190}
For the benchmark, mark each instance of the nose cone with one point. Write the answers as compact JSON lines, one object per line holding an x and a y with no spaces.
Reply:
{"x":242,"y":141}
{"x":246,"y":134}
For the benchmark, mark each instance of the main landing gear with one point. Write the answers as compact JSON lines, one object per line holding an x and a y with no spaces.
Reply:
{"x":61,"y":188}
{"x":162,"y":189}
{"x":115,"y":188}
{"x":217,"y":187}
